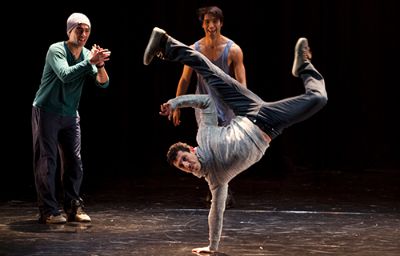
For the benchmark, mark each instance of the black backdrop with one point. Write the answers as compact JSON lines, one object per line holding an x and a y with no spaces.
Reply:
{"x":354,"y":46}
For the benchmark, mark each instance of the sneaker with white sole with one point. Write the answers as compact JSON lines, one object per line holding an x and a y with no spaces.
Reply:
{"x":154,"y":46}
{"x":76,"y":212}
{"x":302,"y":56}
{"x":53,"y":219}
{"x":79,"y":216}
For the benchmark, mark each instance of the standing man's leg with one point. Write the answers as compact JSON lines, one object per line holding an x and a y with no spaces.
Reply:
{"x":45,"y":141}
{"x":70,"y":141}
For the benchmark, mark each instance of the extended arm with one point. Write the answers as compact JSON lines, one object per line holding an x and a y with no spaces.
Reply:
{"x":202,"y":101}
{"x":215,"y":219}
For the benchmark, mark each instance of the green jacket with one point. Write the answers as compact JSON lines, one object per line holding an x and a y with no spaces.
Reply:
{"x":63,"y":79}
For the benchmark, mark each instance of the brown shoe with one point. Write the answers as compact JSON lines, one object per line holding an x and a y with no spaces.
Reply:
{"x":76,"y":212}
{"x":80,"y":216}
{"x":53,"y":219}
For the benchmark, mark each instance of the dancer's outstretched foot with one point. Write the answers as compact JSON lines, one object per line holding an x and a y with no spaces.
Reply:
{"x":302,"y":56}
{"x":155,"y":46}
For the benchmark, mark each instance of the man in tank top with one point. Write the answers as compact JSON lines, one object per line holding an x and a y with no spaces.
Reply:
{"x":224,"y":53}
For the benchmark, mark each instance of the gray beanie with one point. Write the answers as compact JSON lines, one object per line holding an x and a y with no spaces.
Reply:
{"x":75,"y":19}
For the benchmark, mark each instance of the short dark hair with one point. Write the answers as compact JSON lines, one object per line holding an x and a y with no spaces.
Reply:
{"x":213,"y":10}
{"x":174,"y":149}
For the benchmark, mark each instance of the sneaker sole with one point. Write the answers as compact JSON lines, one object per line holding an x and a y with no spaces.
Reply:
{"x":296,"y":50}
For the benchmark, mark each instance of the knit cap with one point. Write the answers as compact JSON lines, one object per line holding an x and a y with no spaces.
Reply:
{"x":75,"y":19}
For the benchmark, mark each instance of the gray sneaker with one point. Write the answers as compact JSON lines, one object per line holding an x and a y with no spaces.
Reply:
{"x":302,"y":56}
{"x":154,"y":45}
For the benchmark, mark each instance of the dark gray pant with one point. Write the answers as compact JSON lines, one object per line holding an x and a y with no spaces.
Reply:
{"x":53,"y":134}
{"x":271,"y":117}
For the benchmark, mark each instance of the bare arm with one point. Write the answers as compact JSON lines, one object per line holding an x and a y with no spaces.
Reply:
{"x":184,"y":81}
{"x":182,"y":89}
{"x":236,"y":60}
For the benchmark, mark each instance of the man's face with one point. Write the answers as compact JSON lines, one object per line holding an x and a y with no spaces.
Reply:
{"x":187,"y":162}
{"x":211,"y":25}
{"x":80,"y":34}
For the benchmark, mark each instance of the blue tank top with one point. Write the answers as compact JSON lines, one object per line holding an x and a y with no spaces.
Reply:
{"x":225,"y":114}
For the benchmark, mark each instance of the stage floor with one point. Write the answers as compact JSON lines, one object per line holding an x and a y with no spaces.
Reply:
{"x":329,"y":213}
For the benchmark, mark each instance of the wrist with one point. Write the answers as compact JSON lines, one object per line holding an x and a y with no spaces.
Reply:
{"x":100,"y":65}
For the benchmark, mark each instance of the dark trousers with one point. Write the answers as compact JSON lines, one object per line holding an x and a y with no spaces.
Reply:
{"x":271,"y":117}
{"x":54,"y":135}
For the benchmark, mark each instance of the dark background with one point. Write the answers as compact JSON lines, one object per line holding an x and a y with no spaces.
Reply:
{"x":354,"y":46}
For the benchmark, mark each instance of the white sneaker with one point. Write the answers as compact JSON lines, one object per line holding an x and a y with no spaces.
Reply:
{"x":302,"y":55}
